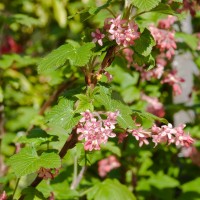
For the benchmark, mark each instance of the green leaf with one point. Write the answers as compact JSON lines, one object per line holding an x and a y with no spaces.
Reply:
{"x":145,"y":5}
{"x":84,"y":103}
{"x":104,"y":97}
{"x":31,"y":193}
{"x":191,"y":186}
{"x":149,"y":61}
{"x":145,"y":43}
{"x":162,"y":181}
{"x":27,"y":161}
{"x":56,"y":58}
{"x":63,"y":115}
{"x":124,"y":118}
{"x":78,"y":56}
{"x":165,"y":9}
{"x":110,"y":146}
{"x":109,"y":189}
{"x":37,"y":137}
{"x":190,"y":40}
{"x":149,"y":116}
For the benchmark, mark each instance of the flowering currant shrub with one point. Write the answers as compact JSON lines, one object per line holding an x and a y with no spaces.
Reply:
{"x":89,"y":99}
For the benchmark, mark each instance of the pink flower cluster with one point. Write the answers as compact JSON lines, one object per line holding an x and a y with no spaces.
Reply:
{"x":163,"y":134}
{"x":124,"y":32}
{"x":154,"y":106}
{"x":107,"y":164}
{"x":171,"y":135}
{"x":166,"y":23}
{"x":165,"y":40}
{"x":172,"y":79}
{"x":95,"y":130}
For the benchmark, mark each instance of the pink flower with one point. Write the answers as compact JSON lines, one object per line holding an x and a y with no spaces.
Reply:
{"x":141,"y":135}
{"x":128,"y":53}
{"x":192,"y":153}
{"x":96,"y":130}
{"x":171,"y":135}
{"x":166,"y":23}
{"x":172,"y":79}
{"x":108,"y":76}
{"x":107,"y":164}
{"x":122,"y":31}
{"x":97,"y":37}
{"x":154,"y":107}
{"x":3,"y":196}
{"x":165,"y":41}
{"x":121,"y":137}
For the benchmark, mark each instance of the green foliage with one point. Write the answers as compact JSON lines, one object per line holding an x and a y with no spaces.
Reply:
{"x":190,"y":40}
{"x":109,"y":189}
{"x":145,"y":5}
{"x":37,"y":137}
{"x":149,"y":116}
{"x":63,"y":115}
{"x":78,"y":56}
{"x":84,"y":103}
{"x":27,"y":161}
{"x":145,"y":43}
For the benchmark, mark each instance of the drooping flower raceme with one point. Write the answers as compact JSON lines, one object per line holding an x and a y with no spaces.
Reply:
{"x":172,"y":79}
{"x":95,"y":130}
{"x":154,"y":106}
{"x":163,"y":134}
{"x":165,"y":40}
{"x":167,"y":133}
{"x":107,"y":164}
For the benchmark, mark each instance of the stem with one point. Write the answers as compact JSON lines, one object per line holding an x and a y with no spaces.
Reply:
{"x":76,"y":182}
{"x":17,"y":183}
{"x":75,"y":171}
{"x":136,"y":15}
{"x":111,"y":12}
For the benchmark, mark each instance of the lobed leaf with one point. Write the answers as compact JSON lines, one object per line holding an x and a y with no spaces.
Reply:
{"x":145,"y":5}
{"x":78,"y":56}
{"x":27,"y":161}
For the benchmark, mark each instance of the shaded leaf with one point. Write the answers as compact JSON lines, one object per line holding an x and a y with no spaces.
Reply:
{"x":145,"y":43}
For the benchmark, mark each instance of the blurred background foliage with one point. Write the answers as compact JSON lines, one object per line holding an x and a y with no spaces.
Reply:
{"x":30,"y":29}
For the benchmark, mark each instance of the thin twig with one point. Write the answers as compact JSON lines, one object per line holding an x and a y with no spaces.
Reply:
{"x":76,"y":182}
{"x":17,"y":183}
